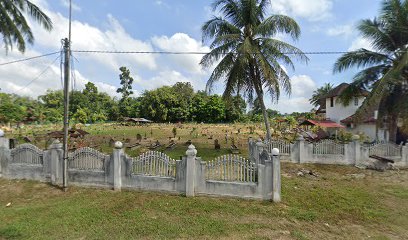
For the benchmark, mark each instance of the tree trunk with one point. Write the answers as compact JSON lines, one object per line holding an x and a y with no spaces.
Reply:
{"x":393,"y":129}
{"x":265,"y":115}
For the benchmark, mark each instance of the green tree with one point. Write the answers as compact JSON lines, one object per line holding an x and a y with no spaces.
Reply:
{"x":384,"y":69}
{"x":249,"y":57}
{"x":126,"y":90}
{"x":318,"y":96}
{"x":13,"y":25}
{"x":235,"y":108}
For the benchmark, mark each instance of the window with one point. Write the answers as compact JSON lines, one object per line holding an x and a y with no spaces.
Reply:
{"x":355,"y":101}
{"x":331,"y":102}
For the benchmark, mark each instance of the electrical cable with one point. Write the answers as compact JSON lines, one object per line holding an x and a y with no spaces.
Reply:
{"x":30,"y":58}
{"x":37,"y":77}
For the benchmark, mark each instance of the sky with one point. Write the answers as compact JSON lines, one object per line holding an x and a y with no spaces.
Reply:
{"x":175,"y":25}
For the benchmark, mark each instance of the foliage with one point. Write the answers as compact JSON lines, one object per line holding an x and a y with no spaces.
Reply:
{"x":318,"y":96}
{"x":384,"y":69}
{"x":14,"y":27}
{"x":248,"y":56}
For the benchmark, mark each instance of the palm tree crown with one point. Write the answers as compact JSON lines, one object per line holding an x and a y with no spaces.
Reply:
{"x":249,"y":58}
{"x":385,"y":67}
{"x":13,"y":25}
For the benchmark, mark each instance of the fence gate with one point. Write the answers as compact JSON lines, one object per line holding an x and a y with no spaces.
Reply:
{"x":153,"y":163}
{"x":232,"y":168}
{"x":27,"y":154}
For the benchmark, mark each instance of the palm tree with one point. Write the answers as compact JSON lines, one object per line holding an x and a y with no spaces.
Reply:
{"x":13,"y":25}
{"x":318,"y":97}
{"x":249,"y":57}
{"x":385,"y":69}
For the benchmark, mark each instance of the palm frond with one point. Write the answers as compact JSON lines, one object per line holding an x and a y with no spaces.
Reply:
{"x":278,"y":24}
{"x":359,"y":58}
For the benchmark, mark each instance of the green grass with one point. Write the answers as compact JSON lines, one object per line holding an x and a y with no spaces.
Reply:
{"x":330,"y":206}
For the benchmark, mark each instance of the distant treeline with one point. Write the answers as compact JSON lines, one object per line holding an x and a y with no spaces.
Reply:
{"x":177,"y":103}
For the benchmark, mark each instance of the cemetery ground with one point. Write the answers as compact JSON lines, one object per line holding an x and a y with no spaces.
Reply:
{"x":335,"y":202}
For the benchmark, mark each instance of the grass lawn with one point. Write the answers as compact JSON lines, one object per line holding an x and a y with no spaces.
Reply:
{"x":341,"y":203}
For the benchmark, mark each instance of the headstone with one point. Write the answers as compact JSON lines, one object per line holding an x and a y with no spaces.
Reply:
{"x":139,"y":137}
{"x":217,"y":146}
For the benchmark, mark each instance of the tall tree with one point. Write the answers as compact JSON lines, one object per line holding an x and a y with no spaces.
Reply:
{"x":14,"y":26}
{"x":384,"y":69}
{"x":249,"y":57}
{"x":126,"y":90}
{"x":318,"y":97}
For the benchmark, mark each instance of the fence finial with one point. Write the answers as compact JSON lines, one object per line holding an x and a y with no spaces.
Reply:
{"x":191,"y":151}
{"x":275,"y":152}
{"x":118,"y":145}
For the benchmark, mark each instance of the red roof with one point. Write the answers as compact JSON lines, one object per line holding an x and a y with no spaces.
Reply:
{"x":352,"y":119}
{"x":323,"y":123}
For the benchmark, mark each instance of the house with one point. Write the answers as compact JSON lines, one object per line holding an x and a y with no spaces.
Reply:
{"x":340,"y":113}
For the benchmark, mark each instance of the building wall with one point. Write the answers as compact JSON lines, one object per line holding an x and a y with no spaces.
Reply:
{"x":339,"y":111}
{"x":370,"y":131}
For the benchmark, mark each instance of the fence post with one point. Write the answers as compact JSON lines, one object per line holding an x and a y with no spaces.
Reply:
{"x":4,"y":153}
{"x":251,"y":149}
{"x":404,"y":155}
{"x":357,"y":149}
{"x":190,"y":170}
{"x":117,"y":166}
{"x":260,"y":148}
{"x":267,"y":181}
{"x":302,"y":149}
{"x":55,"y":161}
{"x":259,"y":145}
{"x":276,"y":176}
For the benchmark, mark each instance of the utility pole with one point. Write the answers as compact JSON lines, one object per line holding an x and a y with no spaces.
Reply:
{"x":67,"y":68}
{"x":67,"y":52}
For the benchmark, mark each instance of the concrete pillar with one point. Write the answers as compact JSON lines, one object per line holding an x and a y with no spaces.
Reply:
{"x":357,"y":150}
{"x":251,"y":150}
{"x":4,"y":142}
{"x":56,"y":159}
{"x":4,"y":147}
{"x":267,"y":180}
{"x":276,"y":176}
{"x":302,"y":150}
{"x":191,"y":154}
{"x":259,"y":147}
{"x":118,"y":152}
{"x":405,"y":155}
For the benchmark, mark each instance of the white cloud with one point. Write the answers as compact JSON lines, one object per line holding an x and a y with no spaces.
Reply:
{"x":360,"y":42}
{"x":302,"y":89}
{"x":65,"y":3}
{"x":87,"y":37}
{"x":33,"y":78}
{"x":343,"y":30}
{"x":315,"y":10}
{"x":181,"y":42}
{"x":168,"y":78}
{"x":302,"y":85}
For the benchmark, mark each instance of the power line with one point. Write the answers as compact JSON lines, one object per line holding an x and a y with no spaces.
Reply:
{"x":30,"y":58}
{"x":194,"y":53}
{"x":39,"y":75}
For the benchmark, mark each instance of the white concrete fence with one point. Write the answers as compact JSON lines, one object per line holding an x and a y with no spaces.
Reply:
{"x":229,"y":175}
{"x":331,"y":152}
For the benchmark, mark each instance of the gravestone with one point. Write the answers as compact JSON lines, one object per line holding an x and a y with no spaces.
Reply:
{"x":217,"y":146}
{"x":139,"y":137}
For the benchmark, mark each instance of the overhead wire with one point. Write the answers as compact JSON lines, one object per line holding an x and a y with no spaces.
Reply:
{"x":29,"y":58}
{"x":39,"y":75}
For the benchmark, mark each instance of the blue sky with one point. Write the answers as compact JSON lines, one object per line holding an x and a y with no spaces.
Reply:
{"x":174,"y":25}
